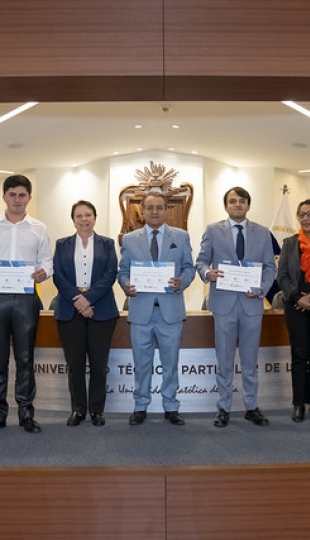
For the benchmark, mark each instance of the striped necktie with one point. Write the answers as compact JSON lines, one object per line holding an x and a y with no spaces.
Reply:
{"x":154,"y":246}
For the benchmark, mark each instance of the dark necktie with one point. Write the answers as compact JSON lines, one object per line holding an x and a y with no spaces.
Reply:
{"x":154,"y":246}
{"x":240,"y":243}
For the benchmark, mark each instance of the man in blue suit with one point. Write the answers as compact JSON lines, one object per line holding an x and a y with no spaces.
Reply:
{"x":156,"y":317}
{"x":237,"y":315}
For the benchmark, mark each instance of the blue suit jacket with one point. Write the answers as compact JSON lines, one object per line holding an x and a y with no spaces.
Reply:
{"x":104,"y":270}
{"x":217,"y":246}
{"x":175,"y":248}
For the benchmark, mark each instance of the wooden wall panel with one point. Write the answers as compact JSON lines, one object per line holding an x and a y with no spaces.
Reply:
{"x":239,"y":503}
{"x":256,"y":502}
{"x":81,"y":50}
{"x":237,"y":38}
{"x":81,"y":504}
{"x":237,"y":50}
{"x":165,"y":50}
{"x":81,"y":37}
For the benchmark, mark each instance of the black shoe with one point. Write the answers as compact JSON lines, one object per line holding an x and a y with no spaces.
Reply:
{"x":75,"y":419}
{"x":221,"y":419}
{"x":137,"y":418}
{"x":30,"y":425}
{"x":298,"y":413}
{"x":97,"y":419}
{"x":256,"y":417}
{"x":2,"y":422}
{"x":175,"y":418}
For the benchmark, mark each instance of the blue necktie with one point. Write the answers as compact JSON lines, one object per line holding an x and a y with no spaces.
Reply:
{"x":240,"y":243}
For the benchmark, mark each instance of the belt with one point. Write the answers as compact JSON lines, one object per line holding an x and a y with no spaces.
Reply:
{"x":156,"y":304}
{"x":84,"y":289}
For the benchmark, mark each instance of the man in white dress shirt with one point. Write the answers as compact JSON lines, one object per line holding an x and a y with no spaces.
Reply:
{"x":22,"y":238}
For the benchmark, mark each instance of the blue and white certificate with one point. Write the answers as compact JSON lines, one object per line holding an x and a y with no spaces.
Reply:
{"x":147,"y":276}
{"x":15,"y":277}
{"x":240,"y":278}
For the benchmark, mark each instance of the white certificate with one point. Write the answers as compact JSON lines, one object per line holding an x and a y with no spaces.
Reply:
{"x":240,"y":278}
{"x":153,"y":277}
{"x":15,"y":277}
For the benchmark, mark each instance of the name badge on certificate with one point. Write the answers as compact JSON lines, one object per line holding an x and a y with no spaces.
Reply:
{"x":153,"y":277}
{"x":15,"y":277}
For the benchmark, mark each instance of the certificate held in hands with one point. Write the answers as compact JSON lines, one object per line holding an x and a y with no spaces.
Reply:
{"x":148,"y":276}
{"x":15,"y":277}
{"x":240,"y":278}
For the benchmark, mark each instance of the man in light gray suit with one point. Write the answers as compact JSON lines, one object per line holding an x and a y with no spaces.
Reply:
{"x":237,"y":315}
{"x":156,"y":317}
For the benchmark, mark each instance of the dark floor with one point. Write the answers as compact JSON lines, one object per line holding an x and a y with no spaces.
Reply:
{"x":155,"y":443}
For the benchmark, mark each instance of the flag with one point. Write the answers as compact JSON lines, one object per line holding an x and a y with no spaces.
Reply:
{"x":283,"y":224}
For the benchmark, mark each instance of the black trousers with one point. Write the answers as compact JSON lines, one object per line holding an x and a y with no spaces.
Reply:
{"x":19,"y":317}
{"x":298,"y":325}
{"x":82,"y":338}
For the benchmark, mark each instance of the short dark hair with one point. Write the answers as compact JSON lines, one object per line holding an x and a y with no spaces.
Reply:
{"x":307,"y":201}
{"x":83,"y":203}
{"x":240,"y":191}
{"x":155,"y":193}
{"x":16,"y":180}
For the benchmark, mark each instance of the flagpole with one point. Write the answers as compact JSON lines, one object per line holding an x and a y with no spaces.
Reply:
{"x":283,"y":223}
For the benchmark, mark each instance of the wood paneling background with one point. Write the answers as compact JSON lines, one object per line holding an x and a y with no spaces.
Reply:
{"x":205,"y":503}
{"x":154,"y":50}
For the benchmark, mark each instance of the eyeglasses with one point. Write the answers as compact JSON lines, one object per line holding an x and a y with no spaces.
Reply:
{"x":304,"y":215}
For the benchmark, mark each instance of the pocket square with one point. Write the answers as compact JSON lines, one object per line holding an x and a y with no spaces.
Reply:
{"x":173,"y":246}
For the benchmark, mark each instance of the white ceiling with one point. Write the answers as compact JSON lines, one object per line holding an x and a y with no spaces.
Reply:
{"x":249,"y":134}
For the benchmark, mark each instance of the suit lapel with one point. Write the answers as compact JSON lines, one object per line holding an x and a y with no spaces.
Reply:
{"x":229,"y":238}
{"x":167,"y":241}
{"x":70,"y":254}
{"x":250,"y":240}
{"x":144,"y":244}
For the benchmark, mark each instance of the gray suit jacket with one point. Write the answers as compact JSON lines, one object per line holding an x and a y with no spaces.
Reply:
{"x":289,"y":269}
{"x":175,"y":248}
{"x":217,"y":247}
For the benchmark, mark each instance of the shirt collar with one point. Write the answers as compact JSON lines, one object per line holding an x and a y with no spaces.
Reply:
{"x":244,"y":223}
{"x":160,"y":229}
{"x":27,"y":219}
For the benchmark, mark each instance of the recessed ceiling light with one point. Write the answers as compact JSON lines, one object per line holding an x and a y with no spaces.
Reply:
{"x":139,"y":126}
{"x":15,"y":145}
{"x":171,"y":149}
{"x":175,"y":126}
{"x":194,"y":152}
{"x":139,"y":149}
{"x":115,"y":153}
{"x":299,"y":145}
